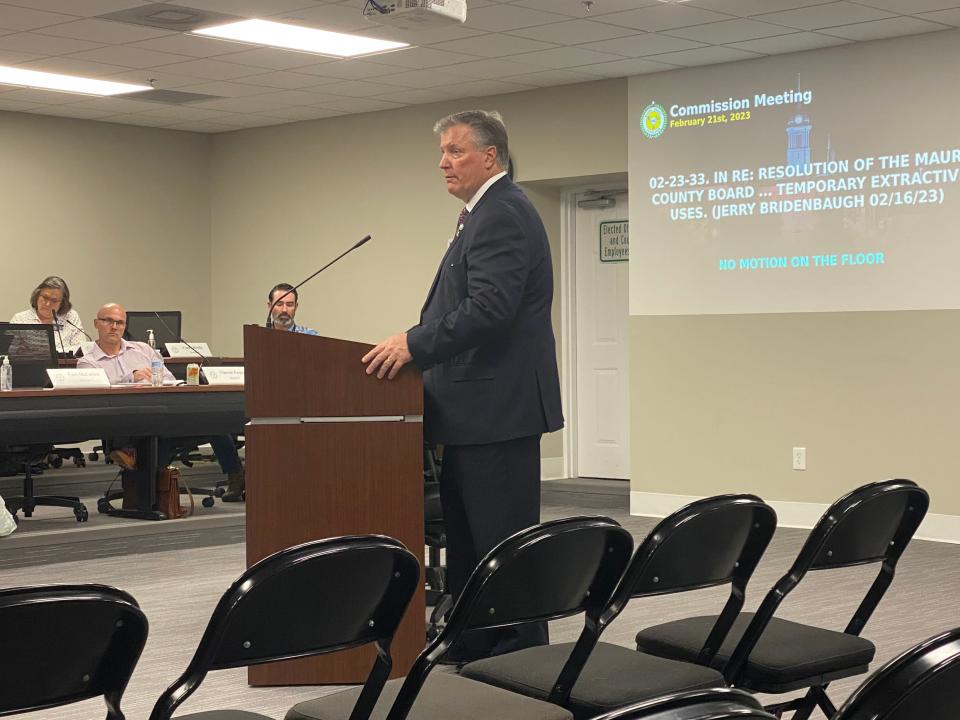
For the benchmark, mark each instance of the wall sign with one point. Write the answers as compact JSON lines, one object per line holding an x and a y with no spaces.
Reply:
{"x":615,"y":241}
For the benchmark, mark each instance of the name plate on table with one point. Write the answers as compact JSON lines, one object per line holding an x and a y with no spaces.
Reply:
{"x":78,"y":377}
{"x":223,"y":375}
{"x":184,"y":350}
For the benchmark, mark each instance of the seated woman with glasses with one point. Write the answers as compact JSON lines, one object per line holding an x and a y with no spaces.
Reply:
{"x":50,"y":305}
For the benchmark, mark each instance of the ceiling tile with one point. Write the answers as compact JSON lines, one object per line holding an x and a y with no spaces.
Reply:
{"x":497,"y":18}
{"x":827,"y":15}
{"x":794,"y":42}
{"x":201,"y":126}
{"x":547,"y":78}
{"x":344,"y":69}
{"x":625,"y":68}
{"x":44,"y":44}
{"x":704,"y":56}
{"x":643,"y":44}
{"x":662,"y":17}
{"x":285,"y":80}
{"x":39,"y":97}
{"x":491,"y":68}
{"x":359,"y":105}
{"x":948,"y":17}
{"x":11,"y":57}
{"x":247,"y":8}
{"x":326,"y":17}
{"x":419,"y":58}
{"x":104,"y":31}
{"x":573,"y":32}
{"x":295,"y":97}
{"x":566,"y":57}
{"x":128,"y":56}
{"x":358,"y":88}
{"x":891,"y":27}
{"x":238,"y":104}
{"x":425,"y":95}
{"x":575,"y":8}
{"x":181,"y":112}
{"x":15,"y":105}
{"x":746,"y":8}
{"x":190,"y":45}
{"x":481,"y":88}
{"x":420,"y":37}
{"x":84,"y":8}
{"x":163,"y":80}
{"x":117,"y":105}
{"x":271,"y":58}
{"x":83,"y":113}
{"x":907,"y":7}
{"x":422,"y":78}
{"x":226,"y":89}
{"x":21,"y":18}
{"x":729,"y":31}
{"x":73,"y":66}
{"x":495,"y":45}
{"x":210,"y":69}
{"x":302,"y":112}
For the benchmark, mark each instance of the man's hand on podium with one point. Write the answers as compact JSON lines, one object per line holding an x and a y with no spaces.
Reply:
{"x":388,"y":357}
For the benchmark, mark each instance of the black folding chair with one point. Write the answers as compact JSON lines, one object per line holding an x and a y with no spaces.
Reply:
{"x":762,"y":653}
{"x":920,"y":684}
{"x":83,"y":641}
{"x":549,"y":571}
{"x":712,"y":704}
{"x":310,"y":599}
{"x":710,"y":542}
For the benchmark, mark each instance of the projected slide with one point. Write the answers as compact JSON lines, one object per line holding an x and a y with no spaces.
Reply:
{"x":822,"y":181}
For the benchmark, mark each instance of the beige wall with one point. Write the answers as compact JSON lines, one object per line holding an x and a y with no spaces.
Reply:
{"x":121,"y":212}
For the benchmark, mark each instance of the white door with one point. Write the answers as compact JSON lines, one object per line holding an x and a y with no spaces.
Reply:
{"x":602,"y":338}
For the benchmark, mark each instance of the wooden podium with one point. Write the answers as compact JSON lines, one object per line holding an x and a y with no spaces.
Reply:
{"x":331,"y":451}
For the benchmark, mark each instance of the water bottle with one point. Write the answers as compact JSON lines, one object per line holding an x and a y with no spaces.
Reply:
{"x":6,"y":375}
{"x":156,"y":373}
{"x":151,"y":341}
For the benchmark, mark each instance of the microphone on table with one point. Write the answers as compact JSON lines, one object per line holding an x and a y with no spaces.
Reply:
{"x":200,"y":355}
{"x":63,"y":348}
{"x":365,"y":239}
{"x":75,"y":326}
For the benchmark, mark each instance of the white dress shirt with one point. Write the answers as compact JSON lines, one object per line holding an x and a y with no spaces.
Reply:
{"x":67,"y":337}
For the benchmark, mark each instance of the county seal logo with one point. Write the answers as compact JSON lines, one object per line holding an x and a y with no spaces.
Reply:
{"x":653,"y":120}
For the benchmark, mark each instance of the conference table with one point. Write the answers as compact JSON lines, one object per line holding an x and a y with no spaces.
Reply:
{"x":143,"y":413}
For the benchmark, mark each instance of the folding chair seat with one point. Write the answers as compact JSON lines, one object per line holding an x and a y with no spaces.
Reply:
{"x":762,"y":653}
{"x":310,"y":599}
{"x":921,"y":683}
{"x":712,"y":704}
{"x":711,"y":542}
{"x":549,"y":571}
{"x":83,"y":642}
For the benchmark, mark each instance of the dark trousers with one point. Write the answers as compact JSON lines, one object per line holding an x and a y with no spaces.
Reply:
{"x":489,"y":492}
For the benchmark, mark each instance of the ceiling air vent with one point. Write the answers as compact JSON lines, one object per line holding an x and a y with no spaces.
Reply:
{"x":177,"y":18}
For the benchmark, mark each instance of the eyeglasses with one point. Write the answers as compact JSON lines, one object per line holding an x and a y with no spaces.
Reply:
{"x":50,"y":300}
{"x":112,"y":322}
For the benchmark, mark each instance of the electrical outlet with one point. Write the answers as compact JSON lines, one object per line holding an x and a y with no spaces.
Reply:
{"x":799,"y":458}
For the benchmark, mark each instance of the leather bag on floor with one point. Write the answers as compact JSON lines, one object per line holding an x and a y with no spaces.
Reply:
{"x":168,"y":494}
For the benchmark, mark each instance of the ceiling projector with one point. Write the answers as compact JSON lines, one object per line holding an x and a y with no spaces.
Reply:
{"x":416,"y":14}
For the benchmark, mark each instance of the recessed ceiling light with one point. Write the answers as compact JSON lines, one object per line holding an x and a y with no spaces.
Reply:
{"x":296,"y":37}
{"x":65,"y":83}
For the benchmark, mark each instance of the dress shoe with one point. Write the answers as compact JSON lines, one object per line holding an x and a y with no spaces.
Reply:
{"x":236,"y":487}
{"x":127,"y":458}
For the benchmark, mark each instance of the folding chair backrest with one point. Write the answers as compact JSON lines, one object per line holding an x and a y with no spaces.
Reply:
{"x":310,"y":599}
{"x":920,"y":683}
{"x":552,"y":570}
{"x":872,"y":524}
{"x":710,"y":704}
{"x":83,"y":641}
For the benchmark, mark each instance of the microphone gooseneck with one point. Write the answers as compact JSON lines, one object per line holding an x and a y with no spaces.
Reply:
{"x":74,"y":325}
{"x":362,"y":241}
{"x":203,"y":358}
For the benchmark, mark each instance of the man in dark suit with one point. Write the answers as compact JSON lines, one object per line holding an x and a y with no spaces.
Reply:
{"x":487,"y":350}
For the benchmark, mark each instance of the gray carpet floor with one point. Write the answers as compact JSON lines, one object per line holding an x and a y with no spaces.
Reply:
{"x":179,"y":587}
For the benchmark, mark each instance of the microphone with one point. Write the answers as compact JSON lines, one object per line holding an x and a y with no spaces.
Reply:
{"x":362,"y":241}
{"x":78,"y":352}
{"x":75,"y":326}
{"x":200,"y":355}
{"x":63,"y":348}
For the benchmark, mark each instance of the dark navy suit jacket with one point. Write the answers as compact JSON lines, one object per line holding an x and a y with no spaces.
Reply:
{"x":485,"y":341}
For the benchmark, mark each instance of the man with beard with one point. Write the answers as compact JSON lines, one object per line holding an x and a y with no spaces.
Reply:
{"x":282,"y":302}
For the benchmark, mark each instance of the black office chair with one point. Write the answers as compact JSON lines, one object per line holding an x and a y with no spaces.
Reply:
{"x":711,"y":542}
{"x":82,"y":641}
{"x":435,"y":538}
{"x":762,"y":653}
{"x":711,"y":704}
{"x":920,"y":684}
{"x":26,"y":457}
{"x":315,"y":598}
{"x":549,"y":571}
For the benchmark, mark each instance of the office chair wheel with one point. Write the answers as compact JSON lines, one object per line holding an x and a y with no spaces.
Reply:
{"x":81,"y":514}
{"x":219,"y":491}
{"x":103,"y":506}
{"x":93,"y":457}
{"x":55,"y":461}
{"x":207,"y":502}
{"x":80,"y":461}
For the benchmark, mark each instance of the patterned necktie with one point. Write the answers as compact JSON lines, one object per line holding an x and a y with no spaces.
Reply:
{"x":460,"y":221}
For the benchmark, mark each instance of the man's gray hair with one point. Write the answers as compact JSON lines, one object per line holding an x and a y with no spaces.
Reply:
{"x":487,"y":128}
